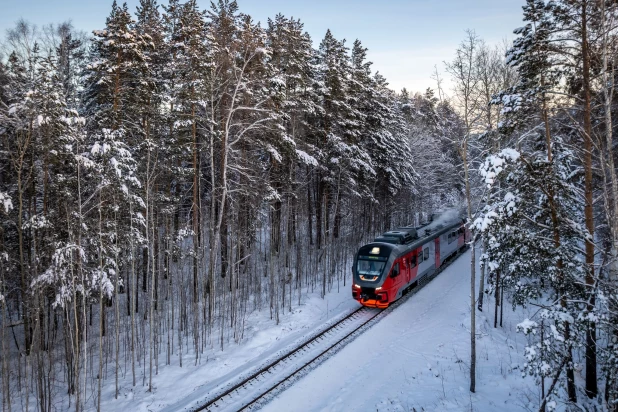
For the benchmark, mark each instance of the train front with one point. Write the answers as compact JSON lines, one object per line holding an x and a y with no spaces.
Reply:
{"x":371,"y":267}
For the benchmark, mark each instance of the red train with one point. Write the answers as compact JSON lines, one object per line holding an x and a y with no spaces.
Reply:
{"x":385,"y":268}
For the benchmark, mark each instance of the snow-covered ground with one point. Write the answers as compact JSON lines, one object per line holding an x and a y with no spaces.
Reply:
{"x":177,"y":388}
{"x":417,"y":357}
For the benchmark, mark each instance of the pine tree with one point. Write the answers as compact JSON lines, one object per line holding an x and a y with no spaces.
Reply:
{"x":115,"y":130}
{"x":519,"y":224}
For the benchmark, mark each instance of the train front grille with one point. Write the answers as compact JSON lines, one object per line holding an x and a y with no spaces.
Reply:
{"x":368,"y":293}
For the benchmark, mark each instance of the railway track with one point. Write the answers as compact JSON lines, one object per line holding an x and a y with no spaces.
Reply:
{"x":260,"y":386}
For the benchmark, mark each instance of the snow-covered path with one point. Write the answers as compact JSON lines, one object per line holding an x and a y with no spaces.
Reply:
{"x":418,"y":357}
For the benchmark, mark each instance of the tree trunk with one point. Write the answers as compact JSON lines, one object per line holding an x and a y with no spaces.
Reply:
{"x":571,"y":391}
{"x":482,"y":283}
{"x":22,"y":265}
{"x":591,"y":356}
{"x":472,"y":272}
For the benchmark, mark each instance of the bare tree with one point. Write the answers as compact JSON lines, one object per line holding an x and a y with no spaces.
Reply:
{"x":465,"y":74}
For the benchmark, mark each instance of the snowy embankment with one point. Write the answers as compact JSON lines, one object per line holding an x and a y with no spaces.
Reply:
{"x":417,"y":358}
{"x":176,"y":388}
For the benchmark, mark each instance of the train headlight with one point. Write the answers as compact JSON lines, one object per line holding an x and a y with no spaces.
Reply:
{"x":356,"y":286}
{"x":380,"y":288}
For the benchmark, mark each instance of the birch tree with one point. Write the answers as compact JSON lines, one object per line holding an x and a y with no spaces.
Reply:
{"x":463,"y":70}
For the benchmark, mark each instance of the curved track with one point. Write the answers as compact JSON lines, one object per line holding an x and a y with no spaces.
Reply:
{"x":262,"y":385}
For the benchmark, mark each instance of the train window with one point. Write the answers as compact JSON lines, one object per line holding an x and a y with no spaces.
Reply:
{"x":413,"y":261}
{"x":395,"y":271}
{"x":420,"y":258}
{"x":449,"y":238}
{"x":426,"y":253}
{"x":369,"y":268}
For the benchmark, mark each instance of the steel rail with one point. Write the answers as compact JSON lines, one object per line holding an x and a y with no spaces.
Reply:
{"x":280,"y":359}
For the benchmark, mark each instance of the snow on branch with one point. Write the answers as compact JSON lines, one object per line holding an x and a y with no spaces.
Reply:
{"x":306,"y":158}
{"x":5,"y":202}
{"x":495,"y":164}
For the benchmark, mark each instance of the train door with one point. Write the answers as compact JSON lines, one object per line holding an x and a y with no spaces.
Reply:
{"x":398,"y":275}
{"x":437,"y":242}
{"x":403,"y":272}
{"x":463,"y":236}
{"x":432,"y":250}
{"x":413,"y":259}
{"x":408,"y":266}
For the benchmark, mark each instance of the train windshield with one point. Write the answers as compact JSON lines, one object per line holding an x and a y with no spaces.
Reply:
{"x":370,"y":269}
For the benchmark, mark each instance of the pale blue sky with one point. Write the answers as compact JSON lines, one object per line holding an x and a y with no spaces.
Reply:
{"x":406,"y":38}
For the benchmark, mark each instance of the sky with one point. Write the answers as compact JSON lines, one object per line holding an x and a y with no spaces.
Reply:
{"x":406,"y":39}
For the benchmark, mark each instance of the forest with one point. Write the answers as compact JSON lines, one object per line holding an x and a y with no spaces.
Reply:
{"x":181,"y":168}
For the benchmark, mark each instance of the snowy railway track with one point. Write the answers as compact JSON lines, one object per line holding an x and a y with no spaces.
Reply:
{"x":259,"y":387}
{"x":264,"y":381}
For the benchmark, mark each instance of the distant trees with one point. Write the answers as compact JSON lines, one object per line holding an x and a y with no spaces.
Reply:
{"x":179,"y":170}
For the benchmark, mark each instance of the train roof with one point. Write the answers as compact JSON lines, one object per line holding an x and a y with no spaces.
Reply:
{"x":388,"y":239}
{"x":425,"y":234}
{"x":401,"y":235}
{"x":439,"y":227}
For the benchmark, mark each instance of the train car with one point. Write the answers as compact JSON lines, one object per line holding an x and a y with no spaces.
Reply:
{"x":395,"y":261}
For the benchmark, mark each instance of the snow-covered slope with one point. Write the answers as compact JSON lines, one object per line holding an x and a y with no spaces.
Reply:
{"x":180,"y":388}
{"x":418,"y":357}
